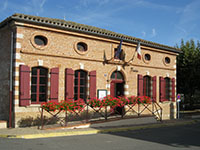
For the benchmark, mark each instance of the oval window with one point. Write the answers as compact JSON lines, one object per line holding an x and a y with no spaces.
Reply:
{"x":147,"y":57}
{"x":167,"y":60}
{"x":82,"y":47}
{"x":40,"y":40}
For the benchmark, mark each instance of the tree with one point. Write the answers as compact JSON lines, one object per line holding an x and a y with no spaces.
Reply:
{"x":188,"y":71}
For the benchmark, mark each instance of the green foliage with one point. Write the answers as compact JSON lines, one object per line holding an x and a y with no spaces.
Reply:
{"x":188,"y":71}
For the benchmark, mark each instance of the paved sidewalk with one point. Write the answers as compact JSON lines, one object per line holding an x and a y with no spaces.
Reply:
{"x":104,"y":127}
{"x":190,"y":114}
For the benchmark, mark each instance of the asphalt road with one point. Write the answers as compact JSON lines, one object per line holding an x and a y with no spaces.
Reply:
{"x":185,"y":137}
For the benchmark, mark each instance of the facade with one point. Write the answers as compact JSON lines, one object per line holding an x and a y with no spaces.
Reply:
{"x":46,"y":59}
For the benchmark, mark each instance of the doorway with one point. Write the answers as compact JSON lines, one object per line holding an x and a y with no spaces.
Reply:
{"x":117,"y":88}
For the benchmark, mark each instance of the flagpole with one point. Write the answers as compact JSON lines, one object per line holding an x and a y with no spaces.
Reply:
{"x":134,"y":52}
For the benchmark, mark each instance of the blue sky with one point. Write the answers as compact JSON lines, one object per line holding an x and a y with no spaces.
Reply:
{"x":161,"y":21}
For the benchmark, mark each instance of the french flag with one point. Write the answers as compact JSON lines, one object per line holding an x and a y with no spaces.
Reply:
{"x":138,"y":51}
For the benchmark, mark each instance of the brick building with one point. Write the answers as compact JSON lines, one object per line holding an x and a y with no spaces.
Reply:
{"x":50,"y":59}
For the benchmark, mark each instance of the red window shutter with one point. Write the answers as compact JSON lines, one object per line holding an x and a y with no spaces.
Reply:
{"x":145,"y":86}
{"x":24,"y":87}
{"x":173,"y":89}
{"x":162,"y":89}
{"x":54,"y":82}
{"x":154,"y":88}
{"x":69,"y":83}
{"x":92,"y":88}
{"x":140,"y":85}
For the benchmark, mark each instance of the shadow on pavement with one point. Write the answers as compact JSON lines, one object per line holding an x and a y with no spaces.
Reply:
{"x":175,"y":136}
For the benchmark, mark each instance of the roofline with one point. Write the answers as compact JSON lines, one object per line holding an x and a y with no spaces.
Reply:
{"x":76,"y":27}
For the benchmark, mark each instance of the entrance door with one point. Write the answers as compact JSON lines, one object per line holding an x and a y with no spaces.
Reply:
{"x":117,"y":84}
{"x":117,"y":87}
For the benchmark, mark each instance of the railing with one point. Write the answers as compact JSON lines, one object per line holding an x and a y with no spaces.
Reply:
{"x":157,"y":110}
{"x":90,"y":114}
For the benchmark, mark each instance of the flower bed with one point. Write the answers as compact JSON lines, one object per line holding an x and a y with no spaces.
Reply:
{"x":79,"y":105}
{"x":97,"y":109}
{"x":68,"y":105}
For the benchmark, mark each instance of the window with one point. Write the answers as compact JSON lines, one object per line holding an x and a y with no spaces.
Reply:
{"x":82,"y":47}
{"x":147,"y":86}
{"x":147,"y":57}
{"x":117,"y":76}
{"x":167,"y":89}
{"x":39,"y":79}
{"x":80,"y":85}
{"x":120,"y":55}
{"x":40,"y":40}
{"x":167,"y":60}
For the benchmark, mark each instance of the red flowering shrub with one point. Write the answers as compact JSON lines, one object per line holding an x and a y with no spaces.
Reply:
{"x":108,"y":101}
{"x":67,"y":105}
{"x":132,"y":100}
{"x":122,"y":101}
{"x":95,"y":102}
{"x":50,"y":106}
{"x":143,"y":100}
{"x":79,"y":105}
{"x":71,"y":105}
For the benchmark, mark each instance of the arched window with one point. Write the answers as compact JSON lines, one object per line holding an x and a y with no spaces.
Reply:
{"x":116,"y":75}
{"x":147,"y":86}
{"x":80,"y":85}
{"x":39,"y":79}
{"x":167,"y":88}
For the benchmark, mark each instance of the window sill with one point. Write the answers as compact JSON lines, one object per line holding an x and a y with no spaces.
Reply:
{"x":164,"y":102}
{"x":34,"y":105}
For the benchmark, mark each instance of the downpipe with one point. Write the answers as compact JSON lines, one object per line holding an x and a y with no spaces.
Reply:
{"x":11,"y":82}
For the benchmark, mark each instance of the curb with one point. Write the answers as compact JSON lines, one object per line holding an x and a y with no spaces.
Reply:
{"x":98,"y":131}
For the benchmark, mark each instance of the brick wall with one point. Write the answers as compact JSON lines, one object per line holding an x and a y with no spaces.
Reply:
{"x":61,"y":52}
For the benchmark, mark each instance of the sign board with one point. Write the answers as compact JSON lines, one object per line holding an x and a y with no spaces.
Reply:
{"x":101,"y":93}
{"x":178,"y":96}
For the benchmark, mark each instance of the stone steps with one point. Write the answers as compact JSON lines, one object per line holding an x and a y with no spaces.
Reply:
{"x":3,"y":124}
